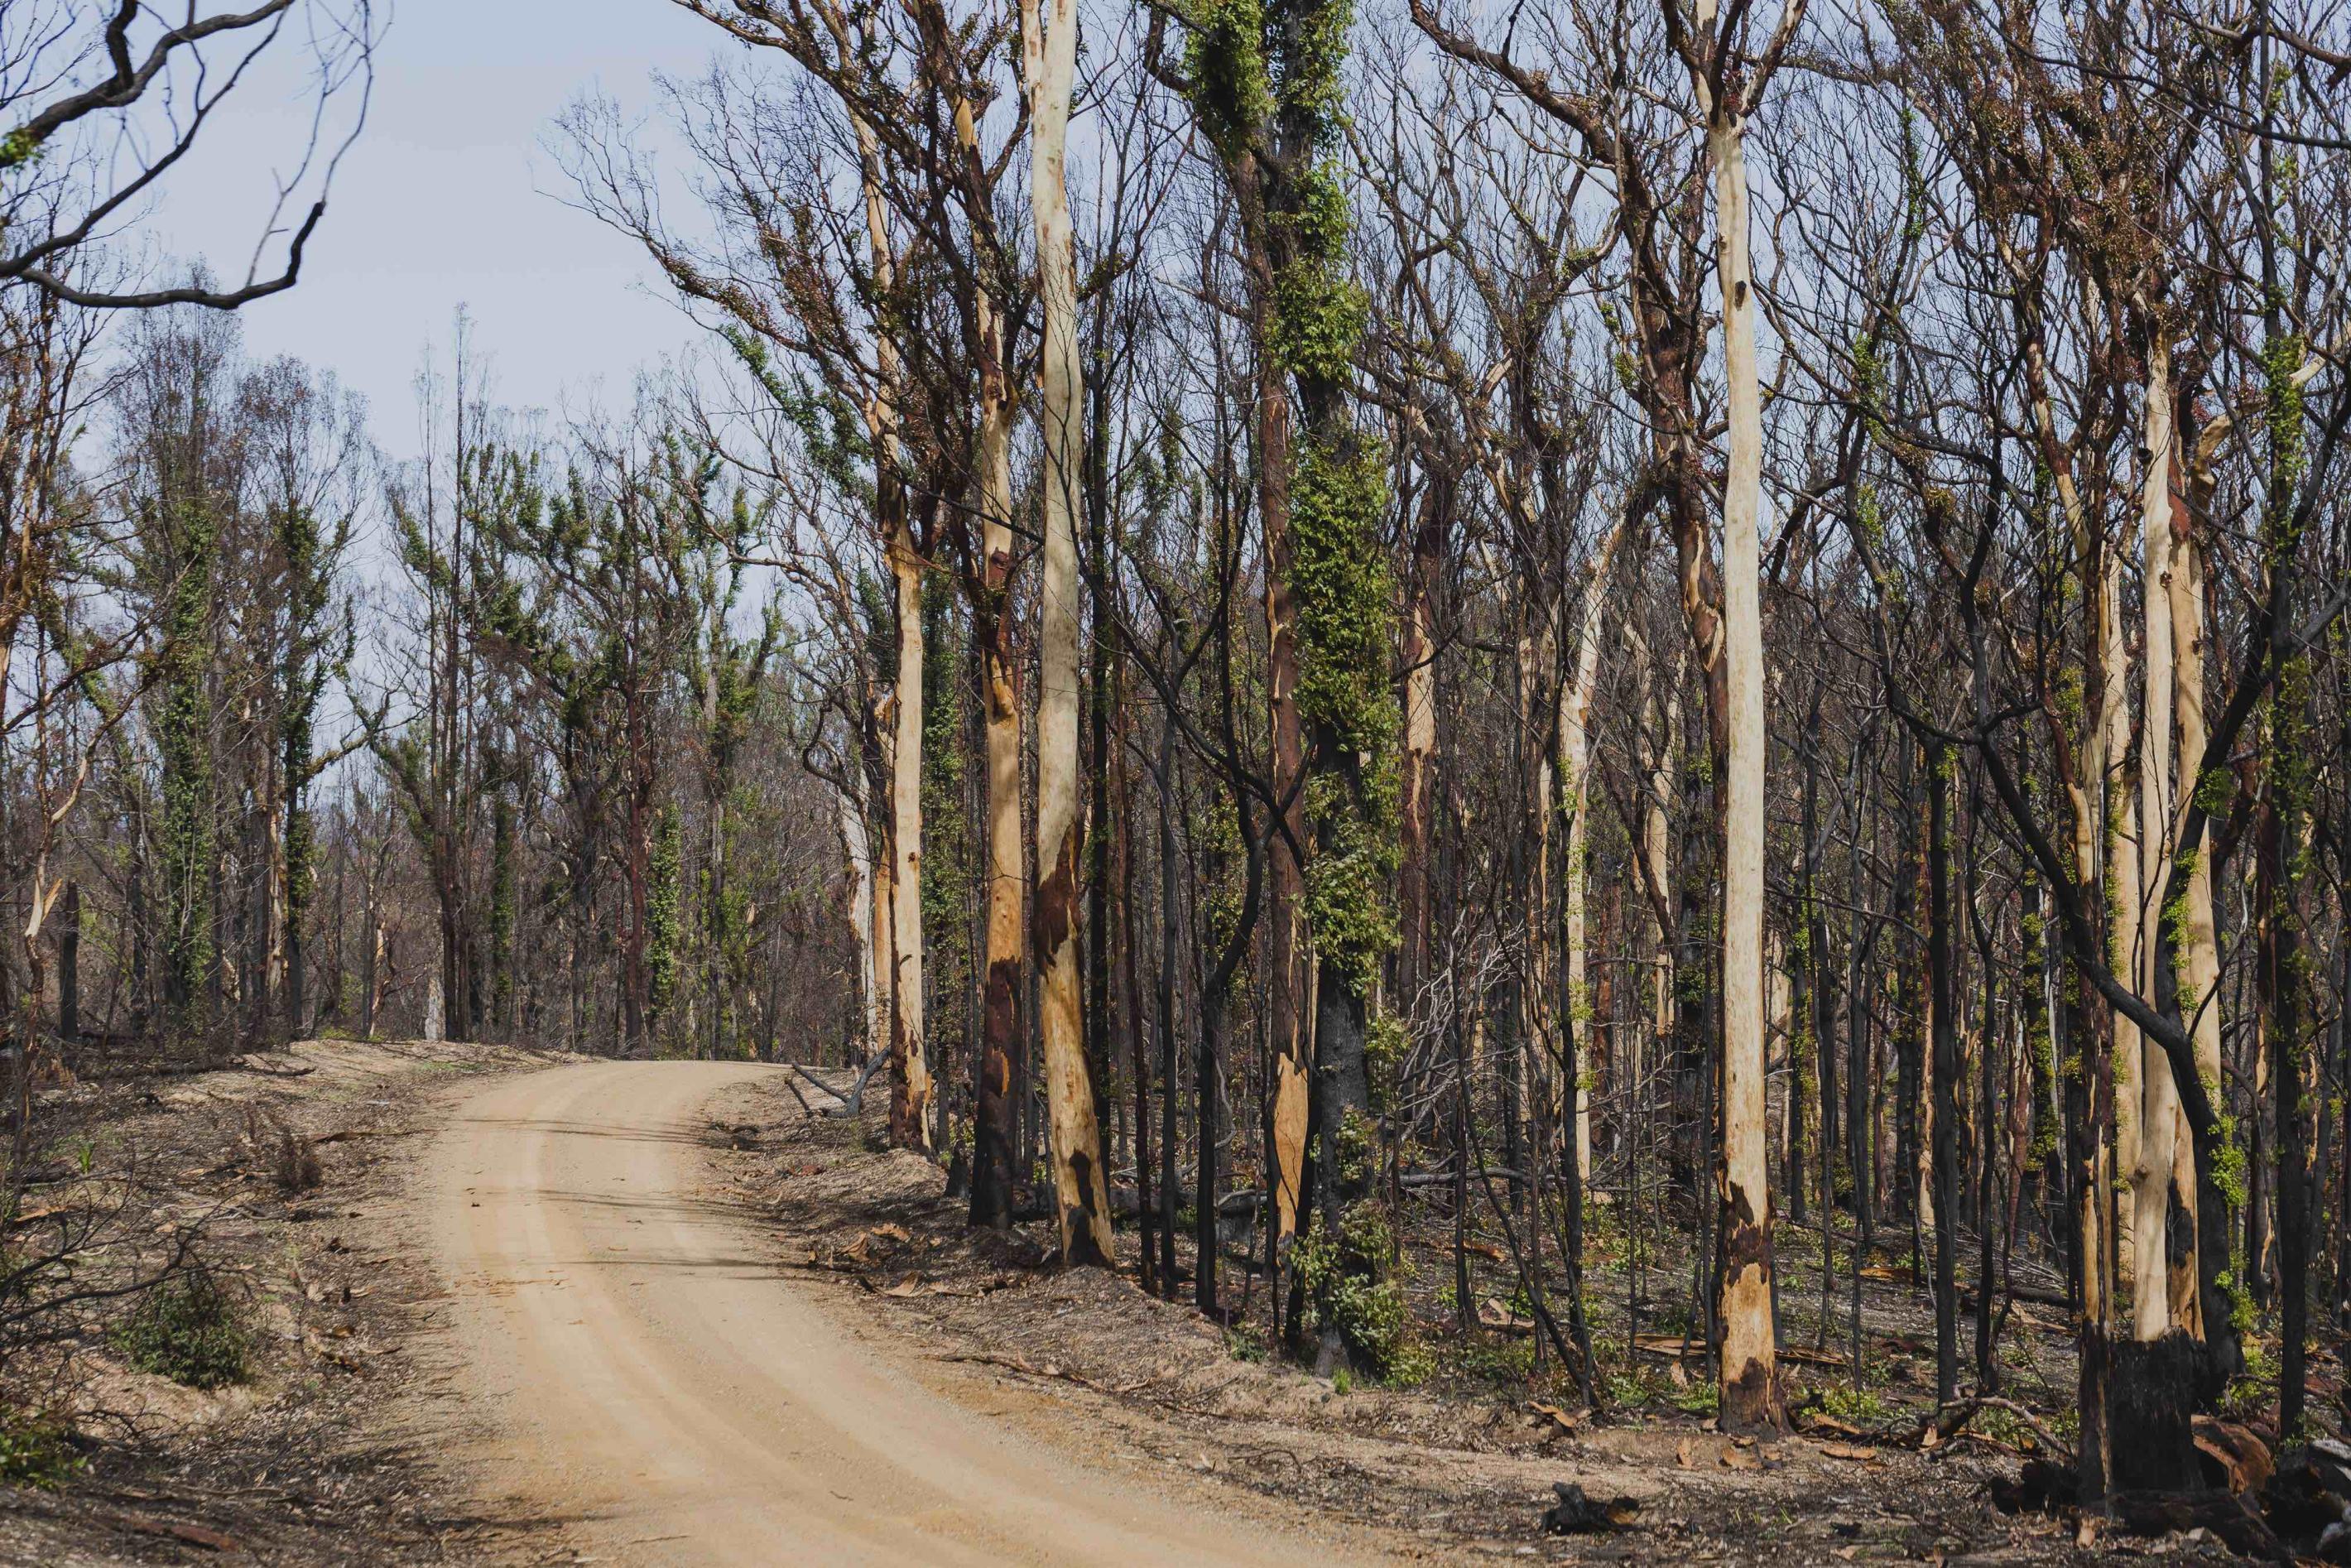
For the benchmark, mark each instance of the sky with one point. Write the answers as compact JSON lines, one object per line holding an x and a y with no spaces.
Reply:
{"x":451,"y":198}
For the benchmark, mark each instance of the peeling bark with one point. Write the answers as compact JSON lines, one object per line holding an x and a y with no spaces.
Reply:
{"x":1750,"y":1382}
{"x":1049,"y":63}
{"x":2151,"y":1173}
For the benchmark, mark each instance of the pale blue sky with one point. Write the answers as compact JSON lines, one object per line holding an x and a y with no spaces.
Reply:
{"x":450,"y":198}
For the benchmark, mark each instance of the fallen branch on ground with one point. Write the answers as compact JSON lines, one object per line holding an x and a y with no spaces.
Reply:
{"x":1951,"y":1418}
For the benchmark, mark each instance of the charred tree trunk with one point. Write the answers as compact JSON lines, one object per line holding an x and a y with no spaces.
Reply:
{"x":69,"y":962}
{"x":1944,"y":1072}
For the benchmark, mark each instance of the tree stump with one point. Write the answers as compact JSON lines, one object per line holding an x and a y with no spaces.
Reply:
{"x":2151,"y":1406}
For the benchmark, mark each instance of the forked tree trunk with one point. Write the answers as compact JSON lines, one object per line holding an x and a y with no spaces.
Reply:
{"x":1749,"y":1375}
{"x":1048,"y":58}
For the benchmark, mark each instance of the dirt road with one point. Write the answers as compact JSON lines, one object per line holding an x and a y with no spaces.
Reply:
{"x":647,"y":1371}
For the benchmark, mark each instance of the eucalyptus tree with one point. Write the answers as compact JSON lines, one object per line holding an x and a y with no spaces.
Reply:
{"x":440,"y":510}
{"x":186,"y":460}
{"x":1049,"y":56}
{"x":1727,"y":63}
{"x":309,"y":464}
{"x":1266,"y":85}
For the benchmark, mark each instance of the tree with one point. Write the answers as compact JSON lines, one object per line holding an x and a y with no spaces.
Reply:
{"x":80,"y":79}
{"x":1048,"y":62}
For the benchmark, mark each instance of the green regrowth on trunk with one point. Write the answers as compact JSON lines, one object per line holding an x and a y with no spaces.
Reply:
{"x":184,"y":726}
{"x":1267,"y":82}
{"x":662,"y":926}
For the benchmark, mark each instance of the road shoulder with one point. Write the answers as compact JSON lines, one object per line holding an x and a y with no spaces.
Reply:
{"x":324,"y":1452}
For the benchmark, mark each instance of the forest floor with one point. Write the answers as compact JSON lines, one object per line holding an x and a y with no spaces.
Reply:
{"x":1465,"y":1460}
{"x":322,"y":1453}
{"x":654,"y":1312}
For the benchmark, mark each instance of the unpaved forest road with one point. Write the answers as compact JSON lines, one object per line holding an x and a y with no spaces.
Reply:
{"x":653,"y":1377}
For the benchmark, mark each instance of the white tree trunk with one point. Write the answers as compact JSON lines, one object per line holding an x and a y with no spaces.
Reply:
{"x":868,"y":903}
{"x":2122,"y":878}
{"x":1749,"y":1381}
{"x":1658,"y":770}
{"x":2150,"y":1175}
{"x":1538,"y":1053}
{"x":1048,"y":58}
{"x":1574,"y":755}
{"x":900,"y":884}
{"x":903,"y":888}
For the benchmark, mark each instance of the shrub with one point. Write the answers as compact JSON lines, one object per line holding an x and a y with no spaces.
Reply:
{"x":1700,"y":1398}
{"x":1484,"y":1359}
{"x":1625,"y":1390}
{"x":1349,"y":1288}
{"x":1852,"y":1403}
{"x":291,"y":1159}
{"x":188,"y":1329}
{"x":36,"y":1449}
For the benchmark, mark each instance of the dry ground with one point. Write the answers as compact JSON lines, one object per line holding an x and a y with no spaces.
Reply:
{"x":321,"y":1458}
{"x":1466,"y":1470}
{"x":347,"y":1445}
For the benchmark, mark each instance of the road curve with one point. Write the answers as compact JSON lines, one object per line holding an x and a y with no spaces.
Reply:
{"x":651,"y":1378}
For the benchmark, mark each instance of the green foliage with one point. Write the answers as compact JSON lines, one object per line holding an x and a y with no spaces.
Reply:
{"x":831,"y":428}
{"x":1224,"y":59}
{"x":36,"y":1449}
{"x":1913,"y":179}
{"x":1313,"y":67}
{"x":1349,"y":1286}
{"x":1869,"y":399}
{"x":1385,"y":1040}
{"x":18,"y":148}
{"x":1339,"y":585}
{"x":1318,"y":313}
{"x":662,"y":923}
{"x":1852,"y":1403}
{"x":1624,"y":1390}
{"x":1700,"y":1397}
{"x":183,"y":727}
{"x":1347,"y":884}
{"x":190,"y":1330}
{"x":1358,"y":1150}
{"x":2281,"y":357}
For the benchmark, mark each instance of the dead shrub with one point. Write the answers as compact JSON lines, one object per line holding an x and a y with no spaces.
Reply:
{"x":291,"y":1159}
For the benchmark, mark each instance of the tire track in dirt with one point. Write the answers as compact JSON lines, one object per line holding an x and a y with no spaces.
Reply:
{"x":651,"y":1378}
